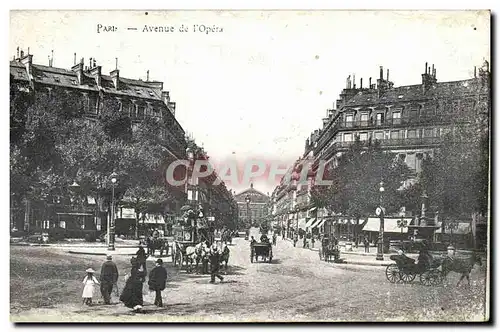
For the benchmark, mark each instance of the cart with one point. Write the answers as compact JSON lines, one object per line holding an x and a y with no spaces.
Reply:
{"x":262,"y":249}
{"x":405,"y":270}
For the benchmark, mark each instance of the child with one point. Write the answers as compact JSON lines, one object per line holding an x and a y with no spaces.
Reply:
{"x":88,"y":290}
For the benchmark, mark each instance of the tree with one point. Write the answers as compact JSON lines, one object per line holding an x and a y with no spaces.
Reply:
{"x":356,"y":182}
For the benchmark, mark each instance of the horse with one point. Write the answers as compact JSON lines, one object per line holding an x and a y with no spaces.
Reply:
{"x":194,"y":254}
{"x":460,"y":265}
{"x":154,"y":244}
{"x":225,"y":256}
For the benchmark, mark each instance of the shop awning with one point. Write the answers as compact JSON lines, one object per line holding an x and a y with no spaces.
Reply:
{"x":463,"y":228}
{"x":151,"y":218}
{"x":390,"y":225}
{"x":318,"y":225}
{"x":316,"y":222}
{"x":310,"y":222}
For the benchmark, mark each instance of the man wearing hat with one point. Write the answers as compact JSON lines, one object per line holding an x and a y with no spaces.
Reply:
{"x":157,"y":281}
{"x":109,"y":277}
{"x":215,"y":264}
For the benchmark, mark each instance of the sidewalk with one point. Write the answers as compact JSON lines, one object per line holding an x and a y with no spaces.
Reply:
{"x":357,"y":256}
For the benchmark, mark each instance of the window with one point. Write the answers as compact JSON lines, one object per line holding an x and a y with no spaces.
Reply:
{"x":395,"y":134}
{"x":140,"y":112}
{"x":411,"y":161}
{"x":349,"y":121}
{"x":396,"y":118}
{"x":380,"y":119}
{"x":413,"y":115}
{"x":363,"y":136}
{"x":412,"y":133}
{"x":429,"y":132}
{"x":364,"y":120}
{"x":379,"y":135}
{"x":347,"y":137}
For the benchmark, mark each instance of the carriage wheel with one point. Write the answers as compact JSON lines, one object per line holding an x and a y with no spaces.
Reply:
{"x":407,"y":276}
{"x":431,"y":278}
{"x":392,"y":273}
{"x":181,"y":259}
{"x":427,"y":278}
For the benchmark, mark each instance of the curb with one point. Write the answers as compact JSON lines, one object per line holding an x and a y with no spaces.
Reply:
{"x":97,"y":253}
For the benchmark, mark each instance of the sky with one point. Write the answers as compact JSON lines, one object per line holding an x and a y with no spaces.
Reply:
{"x":258,"y":88}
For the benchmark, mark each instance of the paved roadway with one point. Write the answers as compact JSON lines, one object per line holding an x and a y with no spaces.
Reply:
{"x":295,"y":286}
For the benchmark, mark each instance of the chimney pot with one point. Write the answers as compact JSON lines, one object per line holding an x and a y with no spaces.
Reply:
{"x":370,"y":83}
{"x":381,"y":72}
{"x":475,"y":72}
{"x":361,"y":83}
{"x":426,"y":67}
{"x":387,"y":74}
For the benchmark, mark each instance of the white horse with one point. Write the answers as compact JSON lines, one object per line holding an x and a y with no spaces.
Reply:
{"x":194,"y":254}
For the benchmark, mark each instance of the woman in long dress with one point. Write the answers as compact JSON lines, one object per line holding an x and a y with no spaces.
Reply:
{"x":132,"y":292}
{"x":89,"y":286}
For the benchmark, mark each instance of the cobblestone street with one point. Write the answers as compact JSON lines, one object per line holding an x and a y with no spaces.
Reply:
{"x":295,"y":286}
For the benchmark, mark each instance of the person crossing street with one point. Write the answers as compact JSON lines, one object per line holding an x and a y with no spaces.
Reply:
{"x":215,"y":264}
{"x":109,"y":277}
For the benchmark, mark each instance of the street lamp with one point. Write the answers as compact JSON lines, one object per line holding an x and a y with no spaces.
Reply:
{"x":452,"y":226}
{"x":380,"y":212}
{"x":247,"y":199}
{"x":111,"y":222}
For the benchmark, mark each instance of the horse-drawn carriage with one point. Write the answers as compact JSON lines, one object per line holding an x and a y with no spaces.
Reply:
{"x":262,"y":249}
{"x":405,"y":270}
{"x":328,"y":250}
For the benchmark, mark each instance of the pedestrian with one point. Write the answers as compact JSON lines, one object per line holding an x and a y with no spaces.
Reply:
{"x":132,"y":292}
{"x":215,"y":264}
{"x":141,"y":259}
{"x":312,"y":241}
{"x":252,"y":241}
{"x":274,"y":239}
{"x":367,"y":244}
{"x":88,"y":290}
{"x":304,"y":242}
{"x":157,"y":281}
{"x":109,"y":277}
{"x":295,"y":239}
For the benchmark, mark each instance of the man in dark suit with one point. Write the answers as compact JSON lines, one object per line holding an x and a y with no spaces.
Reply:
{"x":157,"y":281}
{"x":109,"y":277}
{"x":215,"y":258}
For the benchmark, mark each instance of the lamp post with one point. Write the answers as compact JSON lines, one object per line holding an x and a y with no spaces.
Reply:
{"x":74,"y":188}
{"x":452,"y":226}
{"x":247,"y":200}
{"x":111,"y":221}
{"x":380,"y":212}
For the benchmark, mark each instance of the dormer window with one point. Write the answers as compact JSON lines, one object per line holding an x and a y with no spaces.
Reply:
{"x":56,"y":79}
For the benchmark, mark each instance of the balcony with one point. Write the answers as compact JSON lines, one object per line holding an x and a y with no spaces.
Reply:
{"x":403,"y":142}
{"x":387,"y":123}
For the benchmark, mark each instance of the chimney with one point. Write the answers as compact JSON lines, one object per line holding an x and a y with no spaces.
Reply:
{"x":354,"y":81}
{"x":96,"y":73}
{"x":325,"y":122}
{"x":429,"y":78}
{"x":27,"y":61}
{"x":475,"y":75}
{"x":165,"y":96}
{"x":387,"y":74}
{"x":18,"y":53}
{"x":370,"y":83}
{"x":74,"y":59}
{"x":171,"y":105}
{"x":78,"y":69}
{"x":147,"y":76}
{"x":381,"y":73}
{"x":115,"y":76}
{"x":361,"y":83}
